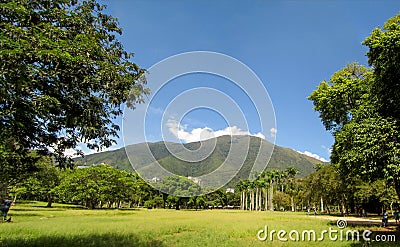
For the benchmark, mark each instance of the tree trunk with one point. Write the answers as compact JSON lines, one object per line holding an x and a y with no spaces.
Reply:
{"x":251,"y":200}
{"x":292,"y":202}
{"x":322,"y":205}
{"x":242,"y":200}
{"x":245,"y":200}
{"x":256,"y":206}
{"x":266,"y":200}
{"x":49,"y":200}
{"x":271,"y":194}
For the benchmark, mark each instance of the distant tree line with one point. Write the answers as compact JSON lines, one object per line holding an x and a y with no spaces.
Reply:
{"x":103,"y":186}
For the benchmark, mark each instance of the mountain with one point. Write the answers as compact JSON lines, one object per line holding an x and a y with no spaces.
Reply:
{"x":228,"y":156}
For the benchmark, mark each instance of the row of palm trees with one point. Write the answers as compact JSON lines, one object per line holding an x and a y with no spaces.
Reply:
{"x":258,"y":193}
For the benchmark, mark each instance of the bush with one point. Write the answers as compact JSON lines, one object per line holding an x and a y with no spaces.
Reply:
{"x":149,"y":204}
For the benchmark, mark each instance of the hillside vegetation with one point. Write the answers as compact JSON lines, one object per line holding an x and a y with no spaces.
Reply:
{"x":233,"y":150}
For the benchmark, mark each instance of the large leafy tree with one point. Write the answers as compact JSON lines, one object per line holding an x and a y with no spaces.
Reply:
{"x":360,"y":107}
{"x":340,"y":98}
{"x":63,"y":75}
{"x":95,"y":186}
{"x":38,"y":185}
{"x":384,"y":56}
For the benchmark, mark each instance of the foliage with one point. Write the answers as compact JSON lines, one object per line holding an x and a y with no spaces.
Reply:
{"x":282,"y":200}
{"x":368,"y":148}
{"x":350,"y":193}
{"x":63,"y":75}
{"x":361,"y":107}
{"x":16,"y":168}
{"x":384,"y":56}
{"x":95,"y":185}
{"x":178,"y":185}
{"x":338,"y":99}
{"x":375,"y":193}
{"x":40,"y":184}
{"x":326,"y":185}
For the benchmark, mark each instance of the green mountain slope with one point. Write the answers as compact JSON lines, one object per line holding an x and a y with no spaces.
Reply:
{"x":240,"y":153}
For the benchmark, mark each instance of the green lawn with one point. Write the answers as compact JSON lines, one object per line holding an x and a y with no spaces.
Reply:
{"x":35,"y":225}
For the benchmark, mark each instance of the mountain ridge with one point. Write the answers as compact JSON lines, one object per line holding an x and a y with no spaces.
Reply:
{"x":239,"y":163}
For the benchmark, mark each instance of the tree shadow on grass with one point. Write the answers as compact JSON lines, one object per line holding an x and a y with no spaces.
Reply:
{"x":24,"y":215}
{"x":98,"y":240}
{"x":34,"y":209}
{"x":64,"y":207}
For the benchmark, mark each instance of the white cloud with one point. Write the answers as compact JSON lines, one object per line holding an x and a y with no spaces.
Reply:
{"x":201,"y":134}
{"x":272,"y":132}
{"x":71,"y":152}
{"x":315,"y":156}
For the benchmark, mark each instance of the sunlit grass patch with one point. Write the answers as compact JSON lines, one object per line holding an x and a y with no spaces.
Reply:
{"x":35,"y":225}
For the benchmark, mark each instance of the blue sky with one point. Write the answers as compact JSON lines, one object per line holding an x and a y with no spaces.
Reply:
{"x":291,"y":45}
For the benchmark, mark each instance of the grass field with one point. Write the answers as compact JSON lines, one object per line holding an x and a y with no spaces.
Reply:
{"x":35,"y":225}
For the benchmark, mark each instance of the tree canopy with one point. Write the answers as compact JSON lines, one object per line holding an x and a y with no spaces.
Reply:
{"x":360,"y":106}
{"x":384,"y":56}
{"x":96,"y":185}
{"x":63,"y":75}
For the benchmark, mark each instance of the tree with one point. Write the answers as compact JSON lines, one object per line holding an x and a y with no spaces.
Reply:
{"x":360,"y":107}
{"x":338,"y":99}
{"x":178,"y":187}
{"x":282,"y":200}
{"x":241,"y":186}
{"x":142,"y":191}
{"x":384,"y":56}
{"x":326,"y":188}
{"x":63,"y":75}
{"x":244,"y":186}
{"x":200,"y":201}
{"x":291,"y":185}
{"x":369,"y":148}
{"x":40,"y":184}
{"x":95,"y":186}
{"x":15,"y":168}
{"x":375,"y":196}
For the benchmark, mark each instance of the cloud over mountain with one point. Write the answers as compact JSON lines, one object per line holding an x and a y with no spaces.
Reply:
{"x":201,"y":134}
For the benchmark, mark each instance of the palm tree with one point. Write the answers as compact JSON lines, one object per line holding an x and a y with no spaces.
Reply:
{"x":266,"y":177}
{"x":257,"y":185}
{"x":251,"y":186}
{"x":272,"y":176}
{"x":245,"y":185}
{"x":242,"y":187}
{"x":290,"y":174}
{"x":280,"y":179}
{"x":260,"y":184}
